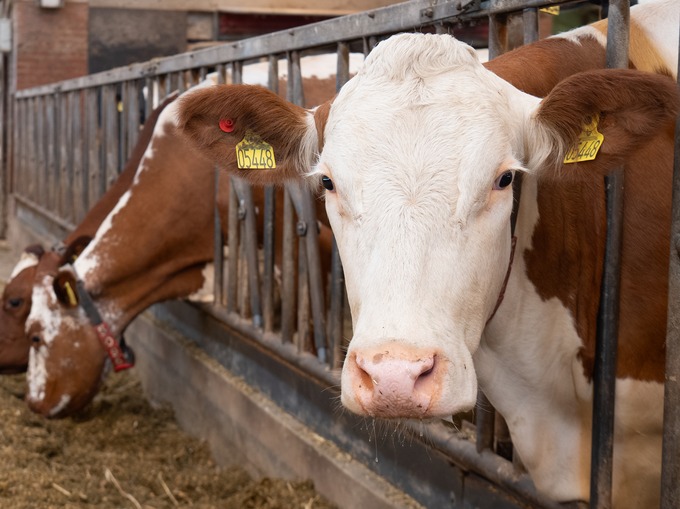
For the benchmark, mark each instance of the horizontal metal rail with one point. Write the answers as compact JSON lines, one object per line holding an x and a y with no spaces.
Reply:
{"x":374,"y":23}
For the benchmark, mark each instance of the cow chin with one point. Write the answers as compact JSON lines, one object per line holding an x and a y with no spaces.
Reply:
{"x":398,"y":380}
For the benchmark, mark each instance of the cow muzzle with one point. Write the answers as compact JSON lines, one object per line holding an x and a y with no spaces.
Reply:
{"x":400,"y":381}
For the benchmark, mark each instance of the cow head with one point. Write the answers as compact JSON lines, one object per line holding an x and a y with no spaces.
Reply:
{"x":63,"y":376}
{"x":417,"y":154}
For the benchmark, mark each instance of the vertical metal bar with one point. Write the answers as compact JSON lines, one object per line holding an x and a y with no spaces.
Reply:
{"x":50,"y":153}
{"x":530,"y":19}
{"x":67,"y":143}
{"x":604,"y":371}
{"x":288,"y":272}
{"x":303,"y":297}
{"x":233,"y":235}
{"x":219,"y":69}
{"x":181,"y":82}
{"x":313,"y":285}
{"x":342,"y":68}
{"x":122,"y":111}
{"x":336,"y":319}
{"x":670,"y":463}
{"x":112,"y":142}
{"x":40,"y":175}
{"x":497,"y":35}
{"x":269,"y":240}
{"x":94,"y":136}
{"x":133,"y":116}
{"x":288,"y":269}
{"x":218,"y":258}
{"x":232,"y":267}
{"x":31,"y":169}
{"x":79,"y":189}
{"x":19,"y":135}
{"x":20,"y":126}
{"x":150,"y":84}
{"x":243,"y":288}
{"x":245,"y":193}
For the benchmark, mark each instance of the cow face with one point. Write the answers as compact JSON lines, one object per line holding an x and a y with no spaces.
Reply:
{"x":420,"y":208}
{"x":416,"y":155}
{"x":66,"y":359}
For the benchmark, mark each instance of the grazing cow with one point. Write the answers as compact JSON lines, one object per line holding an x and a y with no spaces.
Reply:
{"x":155,"y":245}
{"x":417,"y":154}
{"x":16,"y":297}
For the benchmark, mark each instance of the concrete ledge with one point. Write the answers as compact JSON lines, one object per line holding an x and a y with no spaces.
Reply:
{"x":244,"y":427}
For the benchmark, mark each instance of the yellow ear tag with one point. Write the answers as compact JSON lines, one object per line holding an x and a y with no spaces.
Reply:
{"x":589,"y":143}
{"x":252,"y":153}
{"x":554,"y":10}
{"x":71,"y":294}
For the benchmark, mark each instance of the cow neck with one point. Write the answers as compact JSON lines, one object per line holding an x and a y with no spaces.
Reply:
{"x":118,"y":352}
{"x":156,"y":242}
{"x":568,"y":266}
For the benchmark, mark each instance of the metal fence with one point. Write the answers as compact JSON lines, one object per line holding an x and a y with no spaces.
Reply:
{"x":71,"y":139}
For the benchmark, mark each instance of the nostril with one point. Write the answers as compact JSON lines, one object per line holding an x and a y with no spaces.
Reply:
{"x":426,"y":379}
{"x":366,"y":381}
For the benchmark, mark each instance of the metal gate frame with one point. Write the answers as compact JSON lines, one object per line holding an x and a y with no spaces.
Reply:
{"x":69,"y":142}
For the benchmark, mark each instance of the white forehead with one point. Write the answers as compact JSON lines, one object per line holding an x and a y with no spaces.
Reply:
{"x":420,"y":105}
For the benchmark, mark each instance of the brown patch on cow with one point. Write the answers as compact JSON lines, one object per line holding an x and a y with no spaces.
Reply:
{"x":252,"y":108}
{"x":642,"y":54}
{"x":566,"y":259}
{"x":568,"y":242}
{"x":568,"y":265}
{"x":556,"y":58}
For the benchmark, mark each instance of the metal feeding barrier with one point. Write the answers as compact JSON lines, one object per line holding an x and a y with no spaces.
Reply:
{"x":71,"y":139}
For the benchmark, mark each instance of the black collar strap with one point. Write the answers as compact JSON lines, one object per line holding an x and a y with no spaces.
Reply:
{"x":516,"y":193}
{"x":120,"y":354}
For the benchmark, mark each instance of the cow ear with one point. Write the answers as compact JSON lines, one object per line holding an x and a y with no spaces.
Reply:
{"x":627,"y":108}
{"x":74,"y":248}
{"x":250,"y":132}
{"x":65,"y":288}
{"x":36,"y":250}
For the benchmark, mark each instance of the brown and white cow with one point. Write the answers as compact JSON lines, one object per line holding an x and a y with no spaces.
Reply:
{"x":417,"y":154}
{"x":16,"y":296}
{"x":155,"y":245}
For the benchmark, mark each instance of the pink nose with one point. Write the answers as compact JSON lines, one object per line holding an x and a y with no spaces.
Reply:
{"x":394,"y":381}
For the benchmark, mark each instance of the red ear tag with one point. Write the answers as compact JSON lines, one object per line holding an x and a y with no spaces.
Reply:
{"x":227,"y":125}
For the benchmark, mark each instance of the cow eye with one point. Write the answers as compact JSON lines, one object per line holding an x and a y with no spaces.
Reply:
{"x":327,"y":183}
{"x":15,"y":303}
{"x":504,"y":180}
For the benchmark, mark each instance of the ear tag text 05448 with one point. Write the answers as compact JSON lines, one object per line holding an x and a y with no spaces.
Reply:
{"x":589,"y":143}
{"x":253,"y":153}
{"x":71,"y":294}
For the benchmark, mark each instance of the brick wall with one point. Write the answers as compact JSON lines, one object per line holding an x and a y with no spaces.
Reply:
{"x":50,"y":44}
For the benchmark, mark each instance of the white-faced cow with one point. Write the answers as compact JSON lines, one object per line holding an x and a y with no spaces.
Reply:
{"x":417,"y":154}
{"x":16,"y":296}
{"x":155,"y":245}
